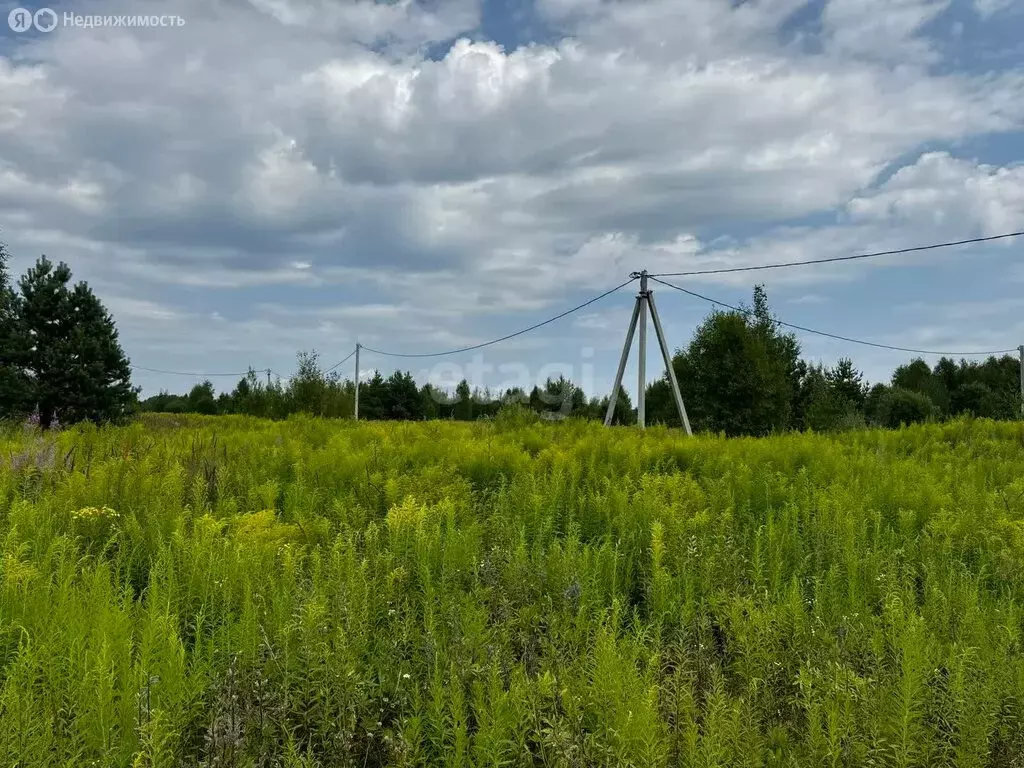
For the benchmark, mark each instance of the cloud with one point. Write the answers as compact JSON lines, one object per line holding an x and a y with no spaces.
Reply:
{"x":389,"y":158}
{"x":596,"y":321}
{"x":808,"y":298}
{"x":883,"y":29}
{"x":986,"y":8}
{"x":402,"y":24}
{"x":939,"y":189}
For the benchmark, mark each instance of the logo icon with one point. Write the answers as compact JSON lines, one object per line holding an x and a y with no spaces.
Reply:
{"x":45,"y":19}
{"x":22,"y":20}
{"x":19,"y":20}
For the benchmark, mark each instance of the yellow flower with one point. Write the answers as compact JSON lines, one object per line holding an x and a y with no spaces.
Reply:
{"x":95,"y":513}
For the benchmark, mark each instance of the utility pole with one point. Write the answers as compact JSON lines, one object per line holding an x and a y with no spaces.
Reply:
{"x":357,"y":381}
{"x":268,"y":379}
{"x":645,"y":301}
{"x":641,"y":389}
{"x":1021,"y":350}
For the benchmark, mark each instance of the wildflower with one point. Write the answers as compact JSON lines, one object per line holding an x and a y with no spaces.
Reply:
{"x":95,"y":513}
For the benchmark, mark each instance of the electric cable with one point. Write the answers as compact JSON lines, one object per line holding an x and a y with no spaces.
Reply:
{"x":503,"y":338}
{"x":730,"y":270}
{"x":833,"y":335}
{"x":341,"y":363}
{"x":185,"y":373}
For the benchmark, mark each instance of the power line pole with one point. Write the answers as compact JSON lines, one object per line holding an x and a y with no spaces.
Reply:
{"x":357,"y":381}
{"x":1021,"y":350}
{"x":641,"y":397}
{"x":667,"y":357}
{"x":622,"y":364}
{"x":268,"y":379}
{"x":645,"y":300}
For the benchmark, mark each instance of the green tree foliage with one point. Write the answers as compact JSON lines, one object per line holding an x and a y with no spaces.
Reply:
{"x":431,"y":401}
{"x":561,"y":396}
{"x":822,"y":407}
{"x":899,"y":406}
{"x":202,"y":399}
{"x":314,"y":392}
{"x":916,"y":376}
{"x":15,"y":386}
{"x":372,"y":397}
{"x":847,"y":382}
{"x":402,"y":397}
{"x":515,"y":395}
{"x":975,"y":398}
{"x":165,"y":402}
{"x":873,"y":403}
{"x":74,"y":361}
{"x":463,"y":401}
{"x":308,"y":387}
{"x":987,"y":388}
{"x":829,"y":399}
{"x":739,"y":374}
{"x":624,"y":412}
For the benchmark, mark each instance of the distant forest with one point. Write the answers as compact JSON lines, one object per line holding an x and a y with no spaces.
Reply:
{"x":739,"y":375}
{"x":61,"y":362}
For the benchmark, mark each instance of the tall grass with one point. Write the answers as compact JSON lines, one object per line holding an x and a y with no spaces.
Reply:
{"x":235,"y":592}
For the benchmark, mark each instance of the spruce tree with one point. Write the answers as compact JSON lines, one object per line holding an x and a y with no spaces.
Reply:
{"x":14,"y":384}
{"x":463,"y":402}
{"x":74,"y":360}
{"x":402,"y":397}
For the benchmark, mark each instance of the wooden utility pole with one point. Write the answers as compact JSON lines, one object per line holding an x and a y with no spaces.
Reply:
{"x":645,"y":301}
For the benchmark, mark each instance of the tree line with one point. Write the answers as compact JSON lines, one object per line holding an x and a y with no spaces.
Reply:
{"x":739,"y":375}
{"x":61,"y":362}
{"x":396,"y":397}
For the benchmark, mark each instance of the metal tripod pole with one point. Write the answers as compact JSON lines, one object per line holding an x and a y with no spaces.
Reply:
{"x":622,"y":364}
{"x":680,"y":407}
{"x":641,"y":387}
{"x":645,"y":300}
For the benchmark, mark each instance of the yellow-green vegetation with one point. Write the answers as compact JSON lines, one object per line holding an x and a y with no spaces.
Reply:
{"x":235,"y":592}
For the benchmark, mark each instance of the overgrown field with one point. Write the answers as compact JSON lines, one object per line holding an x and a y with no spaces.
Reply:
{"x":236,"y":592}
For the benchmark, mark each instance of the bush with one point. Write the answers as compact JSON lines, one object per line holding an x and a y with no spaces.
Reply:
{"x":829,"y":411}
{"x":515,"y":414}
{"x":899,"y":406}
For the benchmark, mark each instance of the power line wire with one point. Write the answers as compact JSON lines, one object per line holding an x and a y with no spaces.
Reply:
{"x":503,"y":338}
{"x":833,"y":335}
{"x":339,"y":364}
{"x":728,"y":270}
{"x":184,"y":373}
{"x":212,"y":375}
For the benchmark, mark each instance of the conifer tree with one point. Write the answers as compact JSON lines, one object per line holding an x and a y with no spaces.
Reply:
{"x":14,"y":385}
{"x":73,"y":359}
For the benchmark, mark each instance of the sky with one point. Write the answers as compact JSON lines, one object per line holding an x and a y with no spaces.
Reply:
{"x":273,"y":176}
